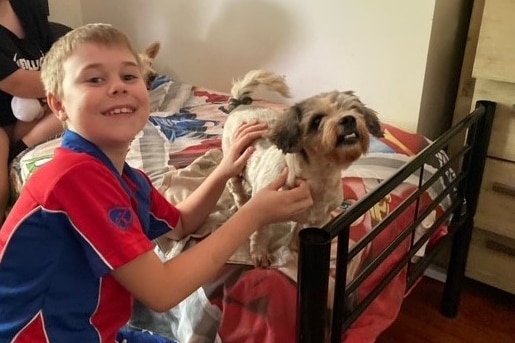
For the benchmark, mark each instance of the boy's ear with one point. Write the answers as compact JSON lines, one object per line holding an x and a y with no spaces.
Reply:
{"x":56,"y":105}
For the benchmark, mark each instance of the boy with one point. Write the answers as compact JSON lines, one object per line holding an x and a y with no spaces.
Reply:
{"x":76,"y":247}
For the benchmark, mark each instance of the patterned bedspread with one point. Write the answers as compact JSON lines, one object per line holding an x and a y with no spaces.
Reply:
{"x":179,"y":147}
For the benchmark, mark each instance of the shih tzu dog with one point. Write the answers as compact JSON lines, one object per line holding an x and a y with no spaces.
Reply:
{"x":315,"y":138}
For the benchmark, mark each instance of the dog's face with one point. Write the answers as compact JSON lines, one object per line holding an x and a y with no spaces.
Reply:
{"x":147,"y":58}
{"x":331,"y":126}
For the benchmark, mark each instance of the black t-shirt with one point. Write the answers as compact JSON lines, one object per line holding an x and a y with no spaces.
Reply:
{"x":24,"y":53}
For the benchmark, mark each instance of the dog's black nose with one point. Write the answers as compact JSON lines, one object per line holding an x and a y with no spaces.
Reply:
{"x":348,"y":122}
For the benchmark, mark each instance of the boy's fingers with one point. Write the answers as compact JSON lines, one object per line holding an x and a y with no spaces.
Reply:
{"x":280,"y":181}
{"x":243,"y":142}
{"x":250,"y":128}
{"x":246,"y":153}
{"x":303,"y":192}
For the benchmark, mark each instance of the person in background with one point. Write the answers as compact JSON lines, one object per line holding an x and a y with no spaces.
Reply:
{"x":25,"y":37}
{"x":77,"y":245}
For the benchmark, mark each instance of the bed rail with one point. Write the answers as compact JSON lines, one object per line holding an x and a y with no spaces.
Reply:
{"x":467,"y":161}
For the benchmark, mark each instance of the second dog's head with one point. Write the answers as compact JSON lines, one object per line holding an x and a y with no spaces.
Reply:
{"x":334,"y":126}
{"x":147,"y":57}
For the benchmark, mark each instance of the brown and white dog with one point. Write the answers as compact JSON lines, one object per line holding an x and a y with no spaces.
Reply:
{"x":147,"y":57}
{"x":315,"y":138}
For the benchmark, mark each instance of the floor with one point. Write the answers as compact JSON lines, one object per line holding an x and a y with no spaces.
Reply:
{"x":486,"y":315}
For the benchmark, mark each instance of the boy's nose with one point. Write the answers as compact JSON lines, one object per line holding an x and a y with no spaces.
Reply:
{"x":118,"y":87}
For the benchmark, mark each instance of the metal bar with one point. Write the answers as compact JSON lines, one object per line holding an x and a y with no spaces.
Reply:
{"x":421,"y":265}
{"x":362,"y":306}
{"x":478,"y":138}
{"x":401,"y":237}
{"x":364,"y":242}
{"x":342,"y":261}
{"x":313,"y":280}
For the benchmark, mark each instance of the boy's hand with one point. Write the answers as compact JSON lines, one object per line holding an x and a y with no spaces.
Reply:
{"x":236,"y":158}
{"x":272,"y":205}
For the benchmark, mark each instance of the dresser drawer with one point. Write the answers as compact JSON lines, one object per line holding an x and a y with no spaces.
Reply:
{"x":496,"y":207}
{"x":502,"y":141}
{"x":495,"y":54}
{"x":491,"y":260}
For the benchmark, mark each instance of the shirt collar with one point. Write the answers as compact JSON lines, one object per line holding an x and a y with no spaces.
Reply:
{"x":75,"y":142}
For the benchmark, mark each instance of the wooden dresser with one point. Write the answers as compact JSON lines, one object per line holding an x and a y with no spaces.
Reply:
{"x":488,"y":73}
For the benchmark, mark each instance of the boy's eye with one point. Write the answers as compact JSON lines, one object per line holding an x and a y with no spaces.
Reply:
{"x":130,"y":77}
{"x":95,"y":79}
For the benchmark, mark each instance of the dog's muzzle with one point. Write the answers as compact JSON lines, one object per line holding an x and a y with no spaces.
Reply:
{"x":350,"y":133}
{"x":233,"y":103}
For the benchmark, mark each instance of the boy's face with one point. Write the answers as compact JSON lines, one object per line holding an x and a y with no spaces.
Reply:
{"x":104,"y":97}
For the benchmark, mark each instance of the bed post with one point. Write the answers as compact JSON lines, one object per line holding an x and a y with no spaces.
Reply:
{"x":478,"y":138}
{"x":313,"y":280}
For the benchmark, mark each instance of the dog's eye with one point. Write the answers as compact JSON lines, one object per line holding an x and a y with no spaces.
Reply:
{"x":315,"y":122}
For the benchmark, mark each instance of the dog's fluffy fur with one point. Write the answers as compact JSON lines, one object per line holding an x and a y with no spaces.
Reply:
{"x":315,"y":138}
{"x":147,"y":57}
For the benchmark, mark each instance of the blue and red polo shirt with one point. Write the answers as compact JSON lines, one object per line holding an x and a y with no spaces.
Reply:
{"x":76,"y":220}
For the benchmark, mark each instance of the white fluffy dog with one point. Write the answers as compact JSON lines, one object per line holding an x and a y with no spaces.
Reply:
{"x":315,"y":138}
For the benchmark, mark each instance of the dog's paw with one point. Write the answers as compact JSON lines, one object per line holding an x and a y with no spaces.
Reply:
{"x":261,"y":258}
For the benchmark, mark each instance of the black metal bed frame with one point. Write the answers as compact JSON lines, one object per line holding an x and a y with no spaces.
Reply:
{"x":467,"y":162}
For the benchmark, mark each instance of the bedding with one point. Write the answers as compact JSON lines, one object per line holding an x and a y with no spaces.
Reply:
{"x":179,"y":147}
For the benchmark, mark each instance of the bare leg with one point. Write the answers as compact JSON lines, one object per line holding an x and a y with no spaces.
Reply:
{"x":4,"y":173}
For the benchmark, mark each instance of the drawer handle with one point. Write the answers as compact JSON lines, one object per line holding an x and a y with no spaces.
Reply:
{"x":504,"y":188}
{"x":499,"y":247}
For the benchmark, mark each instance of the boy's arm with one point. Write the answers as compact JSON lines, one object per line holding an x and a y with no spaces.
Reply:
{"x":199,"y":204}
{"x":195,"y":209}
{"x":161,"y":286}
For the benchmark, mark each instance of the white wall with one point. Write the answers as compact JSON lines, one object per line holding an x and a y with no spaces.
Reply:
{"x":377,"y":48}
{"x":67,"y":12}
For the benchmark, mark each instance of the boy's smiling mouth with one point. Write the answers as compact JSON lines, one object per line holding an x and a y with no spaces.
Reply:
{"x":118,"y":111}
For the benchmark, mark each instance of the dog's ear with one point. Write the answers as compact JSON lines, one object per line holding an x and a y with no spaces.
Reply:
{"x":286,"y":134}
{"x":373,"y":123}
{"x":152,"y":50}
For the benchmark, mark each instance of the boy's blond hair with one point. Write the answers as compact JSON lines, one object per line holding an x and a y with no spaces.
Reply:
{"x":52,"y":72}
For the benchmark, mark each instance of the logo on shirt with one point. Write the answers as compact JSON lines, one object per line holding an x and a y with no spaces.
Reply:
{"x":23,"y":63}
{"x":121,"y":217}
